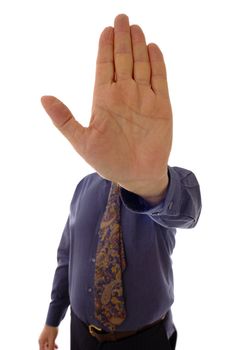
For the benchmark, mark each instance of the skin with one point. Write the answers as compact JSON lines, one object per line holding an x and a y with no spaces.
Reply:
{"x":47,"y":338}
{"x":129,"y":137}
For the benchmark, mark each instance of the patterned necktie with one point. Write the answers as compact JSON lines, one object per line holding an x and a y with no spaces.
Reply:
{"x":110,"y":264}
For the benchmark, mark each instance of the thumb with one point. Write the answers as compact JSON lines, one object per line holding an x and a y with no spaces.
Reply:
{"x":63,"y":120}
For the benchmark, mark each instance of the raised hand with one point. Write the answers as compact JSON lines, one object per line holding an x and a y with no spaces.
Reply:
{"x":129,"y":137}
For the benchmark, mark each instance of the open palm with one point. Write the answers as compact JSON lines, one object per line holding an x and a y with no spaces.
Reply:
{"x":129,"y":137}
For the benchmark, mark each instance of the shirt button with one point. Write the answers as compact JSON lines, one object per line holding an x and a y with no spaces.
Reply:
{"x":170,"y":205}
{"x":89,"y":290}
{"x":93,"y":260}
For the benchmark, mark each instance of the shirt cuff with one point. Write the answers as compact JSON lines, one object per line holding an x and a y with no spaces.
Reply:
{"x":55,"y":315}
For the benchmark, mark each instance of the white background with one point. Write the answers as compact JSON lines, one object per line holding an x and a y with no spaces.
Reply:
{"x":49,"y":47}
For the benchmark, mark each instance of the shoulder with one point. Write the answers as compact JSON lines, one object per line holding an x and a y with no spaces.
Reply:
{"x":90,"y":185}
{"x":92,"y":180}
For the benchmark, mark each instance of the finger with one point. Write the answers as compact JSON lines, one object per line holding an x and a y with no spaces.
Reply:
{"x":158,"y":70}
{"x":51,"y":346}
{"x":104,"y":63}
{"x":141,"y":71}
{"x":123,"y":58}
{"x":63,"y":120}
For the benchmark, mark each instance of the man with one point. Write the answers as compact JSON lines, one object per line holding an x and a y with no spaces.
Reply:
{"x":114,"y":265}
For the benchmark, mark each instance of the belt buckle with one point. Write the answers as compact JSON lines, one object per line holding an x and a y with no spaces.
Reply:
{"x":92,"y":328}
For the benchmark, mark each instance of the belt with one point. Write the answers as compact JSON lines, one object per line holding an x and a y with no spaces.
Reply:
{"x":103,"y":336}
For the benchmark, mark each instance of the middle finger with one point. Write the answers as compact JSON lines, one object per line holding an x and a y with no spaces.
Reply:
{"x":123,"y":56}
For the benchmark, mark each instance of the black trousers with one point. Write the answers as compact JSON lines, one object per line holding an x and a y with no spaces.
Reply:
{"x":154,"y":338}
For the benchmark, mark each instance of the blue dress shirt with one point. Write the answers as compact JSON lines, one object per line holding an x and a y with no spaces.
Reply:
{"x":149,"y":240}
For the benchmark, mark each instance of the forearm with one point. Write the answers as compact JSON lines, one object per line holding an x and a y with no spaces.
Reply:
{"x":60,"y":290}
{"x":60,"y":297}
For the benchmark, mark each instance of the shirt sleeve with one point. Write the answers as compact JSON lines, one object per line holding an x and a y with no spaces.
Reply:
{"x":181,"y":206}
{"x":60,"y":290}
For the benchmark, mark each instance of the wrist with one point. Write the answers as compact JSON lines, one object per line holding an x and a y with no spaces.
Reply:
{"x":151,"y":191}
{"x":154,"y":195}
